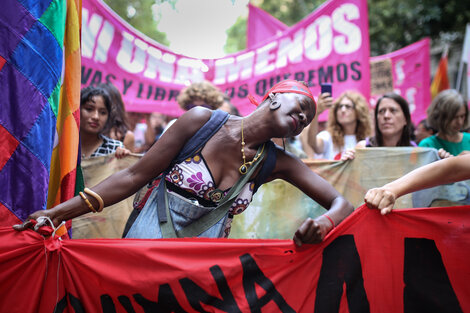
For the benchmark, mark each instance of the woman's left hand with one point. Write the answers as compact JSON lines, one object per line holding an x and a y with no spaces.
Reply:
{"x":122,"y":152}
{"x":312,"y":231}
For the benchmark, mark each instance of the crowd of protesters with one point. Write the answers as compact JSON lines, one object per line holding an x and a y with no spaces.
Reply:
{"x":107,"y":128}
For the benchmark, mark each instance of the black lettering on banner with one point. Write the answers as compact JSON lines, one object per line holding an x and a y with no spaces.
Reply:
{"x":341,"y":72}
{"x":126,"y":304}
{"x":274,"y":80}
{"x":252,"y":275}
{"x":141,"y":88}
{"x":299,"y":76}
{"x":427,"y":285}
{"x":96,"y":78}
{"x":195,"y":294}
{"x":325,"y":76}
{"x":76,"y":304}
{"x":109,"y":78}
{"x":286,"y":75}
{"x":167,"y":302}
{"x":159,"y":94}
{"x":149,"y":92}
{"x":62,"y":304}
{"x":107,"y":304}
{"x":173,"y":94}
{"x":242,"y":91}
{"x":260,"y":87}
{"x":126,"y":85}
{"x":355,"y":67}
{"x":311,"y":77}
{"x":86,"y":75}
{"x":341,"y":264}
{"x":230,"y":92}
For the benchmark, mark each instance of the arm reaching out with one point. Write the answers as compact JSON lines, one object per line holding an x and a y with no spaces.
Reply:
{"x":437,"y":173}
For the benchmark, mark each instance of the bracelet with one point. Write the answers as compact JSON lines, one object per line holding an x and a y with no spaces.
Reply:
{"x":331,"y":220}
{"x":97,"y":197}
{"x":88,"y":203}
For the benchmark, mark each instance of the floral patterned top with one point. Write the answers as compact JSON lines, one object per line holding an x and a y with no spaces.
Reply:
{"x":193,"y":176}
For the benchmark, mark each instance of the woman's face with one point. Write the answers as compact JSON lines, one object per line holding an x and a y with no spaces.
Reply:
{"x":294,"y":114}
{"x":345,"y":112}
{"x":390,"y":118}
{"x":93,"y":115}
{"x":458,"y":121}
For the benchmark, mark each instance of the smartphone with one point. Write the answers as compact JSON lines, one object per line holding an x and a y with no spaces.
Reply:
{"x":326,"y":87}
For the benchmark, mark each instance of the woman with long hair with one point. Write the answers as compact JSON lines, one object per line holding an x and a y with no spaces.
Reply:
{"x":348,"y":123}
{"x":393,"y":126}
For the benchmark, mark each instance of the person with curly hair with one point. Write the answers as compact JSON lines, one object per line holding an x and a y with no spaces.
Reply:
{"x":202,"y":94}
{"x":348,"y":123}
{"x":448,"y":114}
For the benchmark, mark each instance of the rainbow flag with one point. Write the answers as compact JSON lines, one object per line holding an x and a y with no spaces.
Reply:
{"x":39,"y":106}
{"x":441,"y":80}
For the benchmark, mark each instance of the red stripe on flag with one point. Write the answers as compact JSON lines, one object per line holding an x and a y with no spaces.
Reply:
{"x":7,"y":218}
{"x":8,"y":146}
{"x":2,"y":62}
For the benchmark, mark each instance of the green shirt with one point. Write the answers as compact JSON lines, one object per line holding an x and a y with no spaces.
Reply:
{"x":453,"y":148}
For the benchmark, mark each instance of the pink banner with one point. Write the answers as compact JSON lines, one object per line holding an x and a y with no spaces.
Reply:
{"x":331,"y":44}
{"x":261,"y":26}
{"x":410,"y":65}
{"x":411,"y":76}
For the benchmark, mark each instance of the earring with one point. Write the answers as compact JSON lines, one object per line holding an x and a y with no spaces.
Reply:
{"x":274,"y":105}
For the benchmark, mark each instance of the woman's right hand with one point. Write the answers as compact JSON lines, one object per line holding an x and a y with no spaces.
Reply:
{"x":443,"y":154}
{"x":325,"y":101}
{"x":380,"y":198}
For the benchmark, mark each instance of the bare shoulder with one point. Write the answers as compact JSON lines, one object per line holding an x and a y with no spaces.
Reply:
{"x":191,"y":120}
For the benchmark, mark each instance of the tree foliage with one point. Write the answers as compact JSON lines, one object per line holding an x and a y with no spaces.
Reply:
{"x":139,"y":14}
{"x":392,"y":24}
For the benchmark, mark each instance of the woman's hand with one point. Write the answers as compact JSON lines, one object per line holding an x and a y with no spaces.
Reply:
{"x":380,"y":198}
{"x":443,"y":154}
{"x":29,"y":224}
{"x":325,"y":101}
{"x":348,"y":155}
{"x":122,"y":152}
{"x":312,"y":231}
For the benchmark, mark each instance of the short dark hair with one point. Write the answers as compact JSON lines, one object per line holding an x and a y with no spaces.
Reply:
{"x":444,"y":108}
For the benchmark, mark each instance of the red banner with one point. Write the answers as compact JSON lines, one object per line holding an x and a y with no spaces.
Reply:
{"x":413,"y":260}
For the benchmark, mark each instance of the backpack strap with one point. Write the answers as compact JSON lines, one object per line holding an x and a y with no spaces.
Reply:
{"x":199,"y":139}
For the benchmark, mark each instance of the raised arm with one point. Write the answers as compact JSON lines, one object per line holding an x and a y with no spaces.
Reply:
{"x":325,"y":101}
{"x":437,"y":173}
{"x":128,"y":181}
{"x":294,"y":171}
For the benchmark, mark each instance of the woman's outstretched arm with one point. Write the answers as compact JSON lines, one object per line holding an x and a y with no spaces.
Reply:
{"x":437,"y":173}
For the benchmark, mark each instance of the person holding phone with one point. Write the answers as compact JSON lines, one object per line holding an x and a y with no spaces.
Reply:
{"x":348,"y":123}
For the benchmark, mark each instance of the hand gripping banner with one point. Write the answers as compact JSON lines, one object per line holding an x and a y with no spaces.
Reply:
{"x":412,"y":260}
